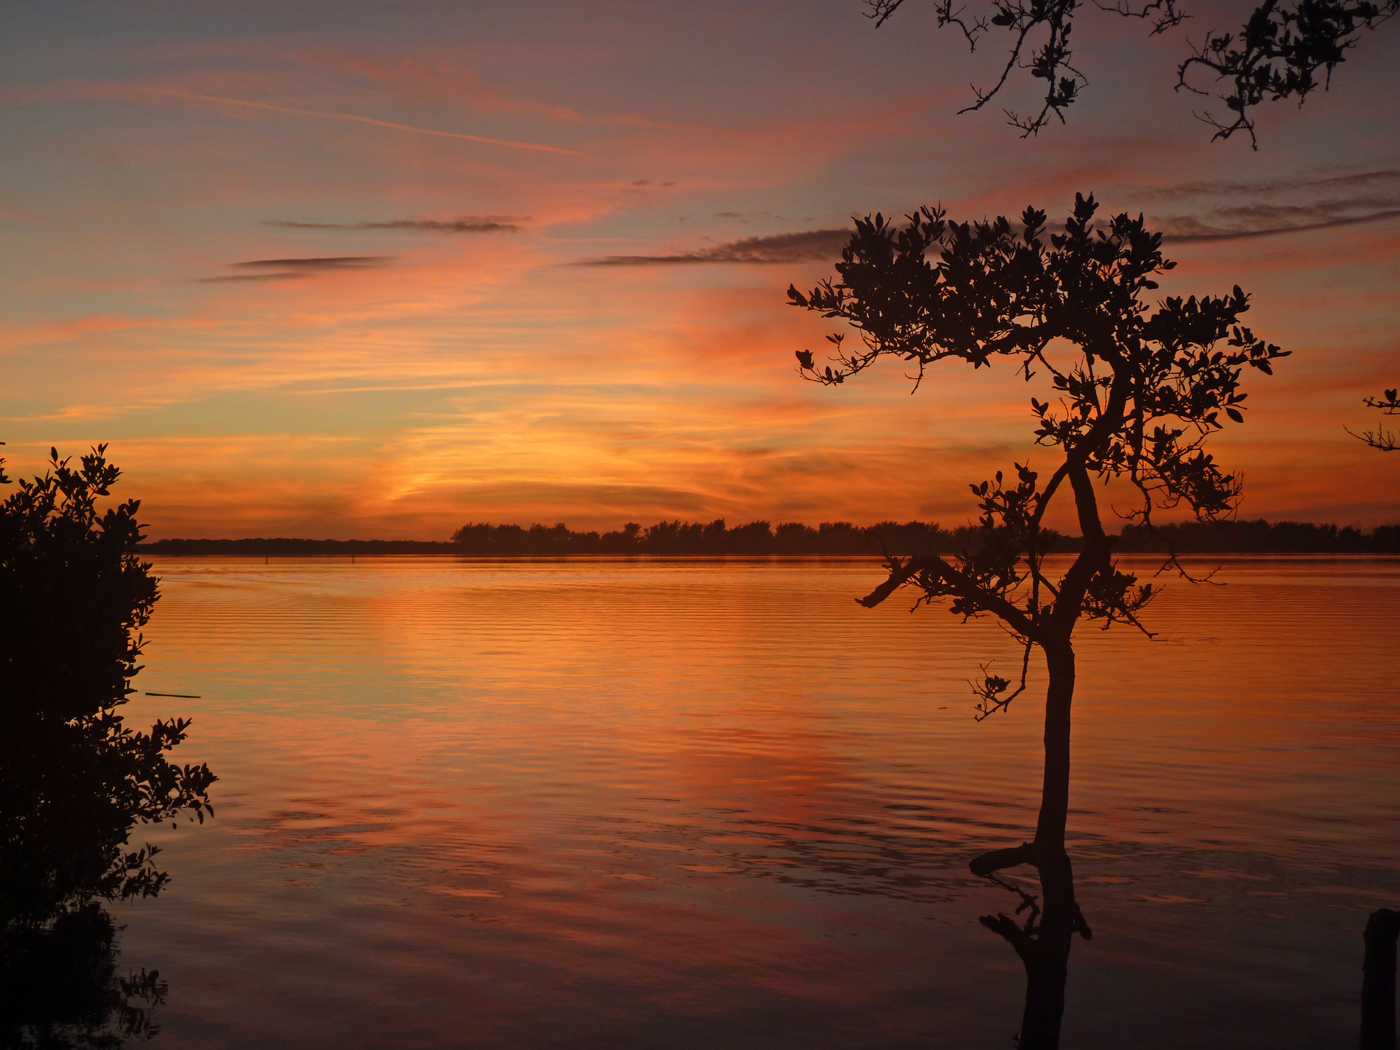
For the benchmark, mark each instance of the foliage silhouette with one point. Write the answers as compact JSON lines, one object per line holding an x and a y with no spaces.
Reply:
{"x":74,"y":779}
{"x":1136,"y":400}
{"x":1277,"y":54}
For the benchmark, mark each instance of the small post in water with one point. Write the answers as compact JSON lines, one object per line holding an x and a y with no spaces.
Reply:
{"x":1378,"y":981}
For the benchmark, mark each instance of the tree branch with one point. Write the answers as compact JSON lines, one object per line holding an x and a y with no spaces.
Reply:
{"x":958,"y":584}
{"x":1000,"y":859}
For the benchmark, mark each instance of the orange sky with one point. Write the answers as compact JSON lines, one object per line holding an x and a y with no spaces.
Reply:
{"x":322,"y":269}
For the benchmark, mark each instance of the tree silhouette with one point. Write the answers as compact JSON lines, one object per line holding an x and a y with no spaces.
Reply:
{"x":74,"y":779}
{"x":1277,"y":54}
{"x":1380,"y":438}
{"x":1136,"y":400}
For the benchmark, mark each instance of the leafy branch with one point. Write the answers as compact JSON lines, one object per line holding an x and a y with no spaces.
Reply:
{"x":1278,"y":53}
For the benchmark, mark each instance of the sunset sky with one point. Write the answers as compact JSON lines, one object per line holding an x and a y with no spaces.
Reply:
{"x":379,"y":269}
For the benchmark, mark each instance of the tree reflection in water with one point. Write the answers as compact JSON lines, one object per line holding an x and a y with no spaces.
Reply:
{"x":75,"y":781}
{"x":60,"y":986}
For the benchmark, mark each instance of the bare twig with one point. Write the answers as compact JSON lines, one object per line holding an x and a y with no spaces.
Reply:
{"x":1381,"y":439}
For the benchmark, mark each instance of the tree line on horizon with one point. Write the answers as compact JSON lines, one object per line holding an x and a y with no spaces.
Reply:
{"x":831,"y":539}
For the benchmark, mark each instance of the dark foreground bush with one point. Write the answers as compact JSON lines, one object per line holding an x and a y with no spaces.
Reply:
{"x":75,"y":780}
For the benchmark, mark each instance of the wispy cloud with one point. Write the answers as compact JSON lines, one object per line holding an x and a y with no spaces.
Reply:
{"x":461,"y":224}
{"x":1184,"y":229}
{"x":439,"y":79}
{"x":1269,"y":208}
{"x":294,"y":269}
{"x":777,"y":248}
{"x":1331,"y":183}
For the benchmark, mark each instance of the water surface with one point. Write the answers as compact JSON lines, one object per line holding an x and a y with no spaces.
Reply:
{"x":717,"y":804}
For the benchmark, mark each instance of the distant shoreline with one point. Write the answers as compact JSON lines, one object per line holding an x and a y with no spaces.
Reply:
{"x":759,"y":539}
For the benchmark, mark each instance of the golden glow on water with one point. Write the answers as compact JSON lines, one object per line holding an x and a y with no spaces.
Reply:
{"x":694,"y":803}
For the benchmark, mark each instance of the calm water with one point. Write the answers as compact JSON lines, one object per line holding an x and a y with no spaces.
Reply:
{"x":700,"y":804}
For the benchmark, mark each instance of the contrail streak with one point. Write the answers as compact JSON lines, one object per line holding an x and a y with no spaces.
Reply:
{"x":357,"y":119}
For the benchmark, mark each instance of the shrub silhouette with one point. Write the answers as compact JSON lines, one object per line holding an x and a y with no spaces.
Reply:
{"x":75,"y":780}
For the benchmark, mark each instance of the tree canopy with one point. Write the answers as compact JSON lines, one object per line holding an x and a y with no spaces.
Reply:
{"x":1148,"y":387}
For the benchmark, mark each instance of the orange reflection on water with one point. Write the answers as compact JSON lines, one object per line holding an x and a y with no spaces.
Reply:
{"x":697,"y":803}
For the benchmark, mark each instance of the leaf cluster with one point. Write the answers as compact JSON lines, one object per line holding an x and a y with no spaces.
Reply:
{"x":1279,"y":53}
{"x":74,"y":778}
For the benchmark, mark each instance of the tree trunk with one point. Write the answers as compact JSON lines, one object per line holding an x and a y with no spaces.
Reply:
{"x":1054,"y":796}
{"x":1047,"y":957}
